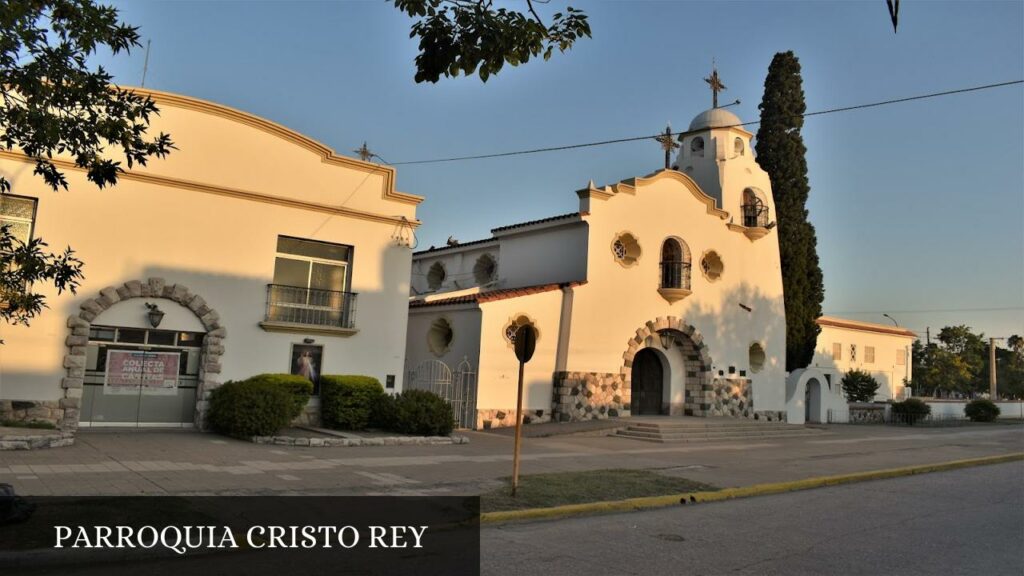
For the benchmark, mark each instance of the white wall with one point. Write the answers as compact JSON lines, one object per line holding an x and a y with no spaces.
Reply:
{"x":465,"y":344}
{"x":946,"y":408}
{"x":617,"y":300}
{"x":544,"y":256}
{"x":458,"y":263}
{"x":211,"y":223}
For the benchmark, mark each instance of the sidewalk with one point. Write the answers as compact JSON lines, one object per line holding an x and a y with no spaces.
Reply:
{"x":188,"y":462}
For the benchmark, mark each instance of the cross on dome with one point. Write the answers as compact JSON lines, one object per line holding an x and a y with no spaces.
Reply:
{"x":715,"y":83}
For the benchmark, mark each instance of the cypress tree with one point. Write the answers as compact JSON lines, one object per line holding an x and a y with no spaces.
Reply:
{"x":780,"y":152}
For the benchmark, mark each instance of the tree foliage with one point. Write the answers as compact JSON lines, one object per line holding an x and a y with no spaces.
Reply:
{"x":859,"y":386}
{"x":959,"y":362}
{"x":781,"y":153}
{"x":466,"y":36}
{"x":54,"y":104}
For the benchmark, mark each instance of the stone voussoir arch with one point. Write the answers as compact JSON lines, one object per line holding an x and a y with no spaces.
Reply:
{"x":698,"y":360}
{"x":78,"y":339}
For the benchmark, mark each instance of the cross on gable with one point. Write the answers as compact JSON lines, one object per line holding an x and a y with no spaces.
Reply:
{"x":716,"y":85}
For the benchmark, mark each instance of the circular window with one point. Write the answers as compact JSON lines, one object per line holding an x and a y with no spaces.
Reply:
{"x":712,"y":265}
{"x":439,"y":337}
{"x":485,"y":270}
{"x":626,"y":249}
{"x":513,"y":326}
{"x":738,"y":146}
{"x":757,"y":357}
{"x":436,"y":276}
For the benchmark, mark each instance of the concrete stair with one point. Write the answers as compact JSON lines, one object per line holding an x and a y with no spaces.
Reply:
{"x":675,"y":429}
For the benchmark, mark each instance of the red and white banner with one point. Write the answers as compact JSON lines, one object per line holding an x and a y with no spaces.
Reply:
{"x":129,"y":371}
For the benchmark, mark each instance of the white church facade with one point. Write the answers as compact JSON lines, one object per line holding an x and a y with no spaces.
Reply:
{"x":661,"y":295}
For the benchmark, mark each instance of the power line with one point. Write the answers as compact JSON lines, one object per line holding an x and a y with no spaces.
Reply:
{"x":1005,"y":309}
{"x":638,"y":138}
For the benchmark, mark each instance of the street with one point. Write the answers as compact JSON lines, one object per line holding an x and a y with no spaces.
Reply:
{"x":968,"y":521}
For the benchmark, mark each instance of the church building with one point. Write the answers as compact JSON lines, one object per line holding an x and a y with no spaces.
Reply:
{"x":662,"y":295}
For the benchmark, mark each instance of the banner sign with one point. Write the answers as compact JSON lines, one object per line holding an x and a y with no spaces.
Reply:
{"x":128,"y":371}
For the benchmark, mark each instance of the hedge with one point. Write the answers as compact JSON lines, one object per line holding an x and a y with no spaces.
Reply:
{"x":418,"y":412}
{"x":347,"y":402}
{"x":299,"y":388}
{"x":910,"y":410}
{"x":250,"y":408}
{"x":982,"y":410}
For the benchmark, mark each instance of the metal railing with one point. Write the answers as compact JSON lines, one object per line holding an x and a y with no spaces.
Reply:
{"x":309,"y":306}
{"x":675,"y":274}
{"x":755,"y":215}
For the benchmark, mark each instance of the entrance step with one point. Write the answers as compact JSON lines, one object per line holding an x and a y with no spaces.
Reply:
{"x":711,"y":430}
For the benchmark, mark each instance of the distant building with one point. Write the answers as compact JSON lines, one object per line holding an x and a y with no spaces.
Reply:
{"x":250,"y":249}
{"x":884,"y":351}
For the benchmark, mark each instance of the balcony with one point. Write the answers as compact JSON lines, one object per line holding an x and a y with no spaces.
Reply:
{"x":755,"y":220}
{"x":308,"y":310}
{"x":675,"y":280}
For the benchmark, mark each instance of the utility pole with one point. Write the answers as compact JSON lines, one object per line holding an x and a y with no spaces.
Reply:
{"x":992,"y":368}
{"x":145,"y":65}
{"x":928,"y":335}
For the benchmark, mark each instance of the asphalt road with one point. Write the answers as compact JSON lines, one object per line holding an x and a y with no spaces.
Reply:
{"x":968,"y":521}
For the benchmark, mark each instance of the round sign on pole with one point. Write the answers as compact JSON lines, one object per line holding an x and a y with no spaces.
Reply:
{"x":526,"y":342}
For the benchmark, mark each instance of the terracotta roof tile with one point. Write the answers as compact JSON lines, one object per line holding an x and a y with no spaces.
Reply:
{"x":532,"y":222}
{"x":493,"y":295}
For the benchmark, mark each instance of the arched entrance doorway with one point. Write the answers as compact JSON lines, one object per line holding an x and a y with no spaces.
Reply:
{"x":113,"y":328}
{"x":685,"y":364}
{"x":647,"y":383}
{"x":812,"y":401}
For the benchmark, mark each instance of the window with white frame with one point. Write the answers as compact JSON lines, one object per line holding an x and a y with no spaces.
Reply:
{"x":18,"y":214}
{"x":311,"y":283}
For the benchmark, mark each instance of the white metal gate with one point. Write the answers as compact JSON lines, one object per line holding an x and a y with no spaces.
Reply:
{"x":435,"y":376}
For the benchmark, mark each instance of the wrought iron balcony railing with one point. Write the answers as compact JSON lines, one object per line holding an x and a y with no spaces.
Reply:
{"x":311,"y":307}
{"x":755,"y":215}
{"x":675,"y":274}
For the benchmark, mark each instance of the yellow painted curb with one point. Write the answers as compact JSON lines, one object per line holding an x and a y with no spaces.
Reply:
{"x":650,"y":502}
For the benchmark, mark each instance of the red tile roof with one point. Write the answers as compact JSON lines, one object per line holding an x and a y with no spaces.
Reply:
{"x":493,"y":295}
{"x":532,"y":222}
{"x":864,"y":326}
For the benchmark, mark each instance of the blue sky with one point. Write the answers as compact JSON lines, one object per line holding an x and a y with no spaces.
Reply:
{"x":919,"y":207}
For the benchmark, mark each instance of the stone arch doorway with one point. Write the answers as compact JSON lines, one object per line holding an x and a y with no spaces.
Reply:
{"x":647,"y":381}
{"x":693,"y":369}
{"x":80,"y":328}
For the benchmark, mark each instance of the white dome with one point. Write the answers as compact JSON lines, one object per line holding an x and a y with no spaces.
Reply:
{"x":714,"y":118}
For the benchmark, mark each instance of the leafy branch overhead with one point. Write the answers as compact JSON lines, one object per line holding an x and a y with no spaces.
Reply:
{"x":467,"y":36}
{"x":53,"y":105}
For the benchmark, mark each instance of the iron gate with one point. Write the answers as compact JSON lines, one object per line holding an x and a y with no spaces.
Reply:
{"x":435,"y":376}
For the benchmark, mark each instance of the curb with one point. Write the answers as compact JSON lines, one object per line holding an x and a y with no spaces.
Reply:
{"x":652,"y":502}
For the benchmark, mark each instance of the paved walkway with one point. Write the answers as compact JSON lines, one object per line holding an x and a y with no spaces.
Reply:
{"x":188,"y":462}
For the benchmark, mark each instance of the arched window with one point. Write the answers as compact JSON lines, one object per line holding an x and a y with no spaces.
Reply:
{"x":697,"y":147}
{"x":436,"y":276}
{"x":755,"y":213}
{"x":485,"y":270}
{"x":738,"y":146}
{"x":675,"y":264}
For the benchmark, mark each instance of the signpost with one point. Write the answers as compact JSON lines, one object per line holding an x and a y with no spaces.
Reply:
{"x":526,"y":342}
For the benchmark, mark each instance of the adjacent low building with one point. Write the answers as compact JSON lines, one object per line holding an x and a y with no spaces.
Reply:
{"x":882,"y":350}
{"x":250,"y":249}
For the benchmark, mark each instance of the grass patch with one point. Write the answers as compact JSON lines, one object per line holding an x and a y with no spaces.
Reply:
{"x":560,"y":488}
{"x":38,"y":424}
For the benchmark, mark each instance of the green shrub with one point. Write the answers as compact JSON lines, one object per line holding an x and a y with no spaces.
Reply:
{"x":347,"y":402}
{"x":422,"y":413}
{"x":982,"y":410}
{"x":910,"y":411}
{"x":299,"y":388}
{"x":250,"y":408}
{"x":859,"y":386}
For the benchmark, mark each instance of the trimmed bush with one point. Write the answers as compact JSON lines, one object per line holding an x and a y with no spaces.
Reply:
{"x":910,"y":411}
{"x":982,"y":410}
{"x":422,"y":413}
{"x":859,"y":386}
{"x":250,"y":408}
{"x":299,"y":388}
{"x":347,"y":402}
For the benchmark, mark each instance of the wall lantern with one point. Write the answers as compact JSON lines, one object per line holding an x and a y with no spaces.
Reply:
{"x":155,"y":315}
{"x":666,"y":339}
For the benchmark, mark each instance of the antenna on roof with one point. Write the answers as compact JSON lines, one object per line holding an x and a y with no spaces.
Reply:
{"x":145,"y":66}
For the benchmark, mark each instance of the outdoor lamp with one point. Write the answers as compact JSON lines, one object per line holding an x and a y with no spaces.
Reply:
{"x":156,"y":315}
{"x":666,"y":339}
